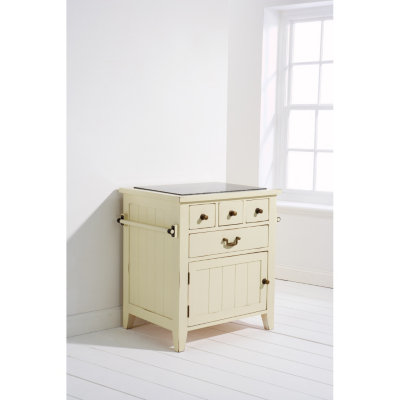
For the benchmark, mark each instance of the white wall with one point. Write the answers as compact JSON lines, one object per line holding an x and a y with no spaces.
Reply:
{"x":150,"y":100}
{"x":244,"y":90}
{"x":147,"y":104}
{"x":304,"y":237}
{"x":304,"y":245}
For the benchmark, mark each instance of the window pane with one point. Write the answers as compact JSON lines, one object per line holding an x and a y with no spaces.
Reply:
{"x":305,"y":84}
{"x":327,"y":84}
{"x":301,"y":129}
{"x":300,"y":170}
{"x":325,"y":130}
{"x":324,"y":172}
{"x":327,"y":46}
{"x":306,"y":41}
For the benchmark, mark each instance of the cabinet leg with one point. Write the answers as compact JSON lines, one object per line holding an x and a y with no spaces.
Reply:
{"x":179,"y":340}
{"x":128,"y":320}
{"x":268,"y":321}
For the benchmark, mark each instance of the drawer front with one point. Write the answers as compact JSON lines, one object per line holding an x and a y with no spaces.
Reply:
{"x":230,"y":213}
{"x":227,"y":287}
{"x":202,"y":216}
{"x":257,"y":210}
{"x":208,"y":243}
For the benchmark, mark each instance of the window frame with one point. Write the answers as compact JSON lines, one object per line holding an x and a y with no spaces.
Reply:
{"x":283,"y":106}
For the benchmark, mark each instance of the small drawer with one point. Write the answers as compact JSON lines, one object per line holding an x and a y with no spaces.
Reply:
{"x":257,"y":210}
{"x":208,"y":243}
{"x":230,"y":213}
{"x":202,"y":216}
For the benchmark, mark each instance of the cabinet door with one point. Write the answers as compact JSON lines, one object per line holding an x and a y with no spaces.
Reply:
{"x":227,"y":287}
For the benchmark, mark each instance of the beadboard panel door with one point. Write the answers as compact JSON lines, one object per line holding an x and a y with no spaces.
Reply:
{"x":150,"y":258}
{"x":226,"y":287}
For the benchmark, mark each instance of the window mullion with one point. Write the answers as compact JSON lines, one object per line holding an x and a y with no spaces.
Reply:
{"x":312,"y":62}
{"x":315,"y":150}
{"x":290,"y":69}
{"x":316,"y":111}
{"x":289,"y":100}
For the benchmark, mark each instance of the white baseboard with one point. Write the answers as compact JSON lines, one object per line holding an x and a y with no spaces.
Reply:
{"x":304,"y":275}
{"x":94,"y":321}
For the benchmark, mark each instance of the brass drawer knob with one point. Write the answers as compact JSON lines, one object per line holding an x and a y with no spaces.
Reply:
{"x":204,"y":217}
{"x":234,"y":243}
{"x":232,"y":213}
{"x":265,"y":281}
{"x":259,"y":211}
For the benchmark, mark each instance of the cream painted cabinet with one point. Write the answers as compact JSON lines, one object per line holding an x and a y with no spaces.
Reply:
{"x":197,"y":255}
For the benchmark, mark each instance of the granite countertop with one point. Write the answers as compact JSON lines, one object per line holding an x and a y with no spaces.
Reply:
{"x":187,"y":189}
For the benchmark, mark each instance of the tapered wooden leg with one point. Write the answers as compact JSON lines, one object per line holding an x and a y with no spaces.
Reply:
{"x":179,"y":340}
{"x":268,"y":321}
{"x":128,"y":320}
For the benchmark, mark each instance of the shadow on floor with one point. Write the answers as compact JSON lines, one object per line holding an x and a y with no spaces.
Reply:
{"x":147,"y":336}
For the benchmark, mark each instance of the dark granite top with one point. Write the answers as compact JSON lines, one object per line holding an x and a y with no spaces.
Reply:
{"x":187,"y":189}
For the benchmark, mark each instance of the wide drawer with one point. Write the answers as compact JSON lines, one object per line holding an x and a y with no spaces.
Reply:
{"x":208,"y":243}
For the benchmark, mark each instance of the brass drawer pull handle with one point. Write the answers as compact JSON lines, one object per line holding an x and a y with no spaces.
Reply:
{"x":234,"y":243}
{"x":278,"y":219}
{"x":265,"y":281}
{"x":232,"y":213}
{"x":259,"y":211}
{"x":204,"y":217}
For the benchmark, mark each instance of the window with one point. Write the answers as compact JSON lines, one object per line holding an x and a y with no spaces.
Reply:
{"x":305,"y":108}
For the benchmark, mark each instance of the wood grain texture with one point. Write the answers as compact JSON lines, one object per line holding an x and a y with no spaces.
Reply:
{"x":85,"y":390}
{"x":156,"y":367}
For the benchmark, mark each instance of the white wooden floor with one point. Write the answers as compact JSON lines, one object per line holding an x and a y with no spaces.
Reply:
{"x":232,"y":361}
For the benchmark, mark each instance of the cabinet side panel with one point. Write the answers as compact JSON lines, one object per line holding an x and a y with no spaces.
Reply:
{"x":151,"y":255}
{"x":134,"y":257}
{"x":271,"y":262}
{"x":159,"y":266}
{"x":168,"y":272}
{"x":150,"y":258}
{"x":142,"y":255}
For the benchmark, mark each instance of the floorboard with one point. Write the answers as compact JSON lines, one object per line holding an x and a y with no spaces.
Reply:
{"x":83,"y":389}
{"x":305,"y":291}
{"x":239,"y":360}
{"x":225,"y":361}
{"x":303,"y":315}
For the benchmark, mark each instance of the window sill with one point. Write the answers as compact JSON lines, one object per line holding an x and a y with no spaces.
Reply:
{"x":306,"y":208}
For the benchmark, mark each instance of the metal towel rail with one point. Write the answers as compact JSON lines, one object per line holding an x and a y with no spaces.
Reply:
{"x":173,"y":231}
